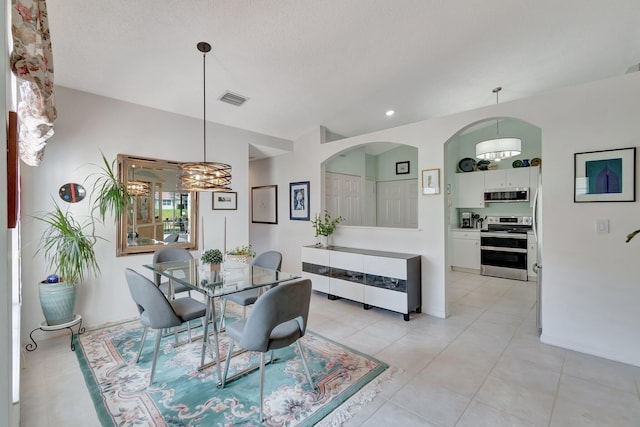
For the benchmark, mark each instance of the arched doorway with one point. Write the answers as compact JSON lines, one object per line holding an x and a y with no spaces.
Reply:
{"x":465,"y":196}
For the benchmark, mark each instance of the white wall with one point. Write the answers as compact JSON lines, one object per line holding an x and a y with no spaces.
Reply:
{"x":590,"y":293}
{"x":590,"y":290}
{"x":87,"y":124}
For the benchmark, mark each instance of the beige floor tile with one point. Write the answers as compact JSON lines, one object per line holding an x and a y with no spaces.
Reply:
{"x":521,"y":402}
{"x":584,"y":403}
{"x":454,"y":375}
{"x":482,"y":366}
{"x":481,"y":415}
{"x":393,"y":415}
{"x":601,"y":371}
{"x":435,"y":404}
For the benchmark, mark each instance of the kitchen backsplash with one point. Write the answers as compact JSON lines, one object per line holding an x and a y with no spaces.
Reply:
{"x":497,"y":209}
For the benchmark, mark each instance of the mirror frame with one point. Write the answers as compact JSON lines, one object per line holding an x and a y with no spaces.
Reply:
{"x":125,"y":162}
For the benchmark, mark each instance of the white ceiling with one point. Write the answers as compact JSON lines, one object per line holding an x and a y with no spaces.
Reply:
{"x":337,"y":63}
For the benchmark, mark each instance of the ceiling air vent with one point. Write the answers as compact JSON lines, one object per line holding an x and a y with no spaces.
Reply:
{"x":233,"y":98}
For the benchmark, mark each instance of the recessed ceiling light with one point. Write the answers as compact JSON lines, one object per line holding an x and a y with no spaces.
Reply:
{"x":390,"y":113}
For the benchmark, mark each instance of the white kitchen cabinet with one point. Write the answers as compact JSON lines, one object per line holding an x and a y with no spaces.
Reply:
{"x":507,"y":178}
{"x":375,"y":278}
{"x":470,"y":189}
{"x":532,"y":256}
{"x":466,"y":250}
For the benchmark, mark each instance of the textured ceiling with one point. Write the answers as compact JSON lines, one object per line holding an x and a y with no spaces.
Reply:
{"x":337,"y":63}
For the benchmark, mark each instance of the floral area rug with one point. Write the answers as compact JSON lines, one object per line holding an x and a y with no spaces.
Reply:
{"x":181,"y":395}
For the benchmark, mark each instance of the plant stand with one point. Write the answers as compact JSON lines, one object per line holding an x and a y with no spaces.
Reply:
{"x":77,"y":320}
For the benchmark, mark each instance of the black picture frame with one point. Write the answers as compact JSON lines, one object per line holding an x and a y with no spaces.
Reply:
{"x":264,"y":204}
{"x":402,"y":168}
{"x":224,"y":201}
{"x":605,"y":176}
{"x":299,"y":201}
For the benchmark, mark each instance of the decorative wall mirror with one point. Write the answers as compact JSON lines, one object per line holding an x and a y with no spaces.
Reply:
{"x":161,"y":214}
{"x":365,"y":186}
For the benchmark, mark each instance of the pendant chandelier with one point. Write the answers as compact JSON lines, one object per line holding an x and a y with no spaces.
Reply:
{"x":138,"y":188}
{"x":498,"y":148}
{"x":205,"y":176}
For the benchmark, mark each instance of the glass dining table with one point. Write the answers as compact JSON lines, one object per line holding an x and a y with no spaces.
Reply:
{"x":216,"y":283}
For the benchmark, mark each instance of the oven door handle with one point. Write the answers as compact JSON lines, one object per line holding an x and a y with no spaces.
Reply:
{"x":499,"y":249}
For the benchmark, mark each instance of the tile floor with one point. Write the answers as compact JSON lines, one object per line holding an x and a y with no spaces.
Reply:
{"x":483,"y":366}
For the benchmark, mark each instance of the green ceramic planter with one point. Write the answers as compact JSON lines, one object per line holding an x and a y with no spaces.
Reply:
{"x":58,"y":301}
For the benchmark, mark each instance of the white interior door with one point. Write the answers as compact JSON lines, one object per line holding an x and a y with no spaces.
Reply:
{"x":343,"y":197}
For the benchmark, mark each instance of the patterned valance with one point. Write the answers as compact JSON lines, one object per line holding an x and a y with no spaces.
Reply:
{"x":32,"y":62}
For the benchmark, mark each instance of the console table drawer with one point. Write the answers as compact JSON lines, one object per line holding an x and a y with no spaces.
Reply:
{"x":346,"y":261}
{"x":387,"y":267}
{"x":391,"y":300}
{"x":315,"y":256}
{"x":318,"y":283}
{"x":348,"y":290}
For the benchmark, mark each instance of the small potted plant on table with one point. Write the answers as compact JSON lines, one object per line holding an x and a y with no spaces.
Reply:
{"x":240,"y":255}
{"x":324,"y":227}
{"x":213,"y":257}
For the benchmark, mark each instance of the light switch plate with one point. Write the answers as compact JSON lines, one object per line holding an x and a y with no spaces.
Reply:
{"x":602,"y":226}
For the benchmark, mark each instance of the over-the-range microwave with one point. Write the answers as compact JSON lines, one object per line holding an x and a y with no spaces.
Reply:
{"x":502,"y":195}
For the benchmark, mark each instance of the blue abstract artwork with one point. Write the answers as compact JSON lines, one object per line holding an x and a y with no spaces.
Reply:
{"x":604,"y":176}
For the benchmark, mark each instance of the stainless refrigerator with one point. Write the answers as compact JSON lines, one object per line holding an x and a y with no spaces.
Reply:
{"x":537,"y":267}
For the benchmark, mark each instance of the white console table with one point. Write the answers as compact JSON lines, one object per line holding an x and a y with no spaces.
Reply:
{"x":382,"y":279}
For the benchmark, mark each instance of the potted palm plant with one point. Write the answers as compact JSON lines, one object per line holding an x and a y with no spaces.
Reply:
{"x":110,"y":194}
{"x":68,"y":244}
{"x":68,"y":248}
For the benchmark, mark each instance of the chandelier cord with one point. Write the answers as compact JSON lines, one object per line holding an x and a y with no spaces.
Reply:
{"x":204,"y":103}
{"x":497,"y":91}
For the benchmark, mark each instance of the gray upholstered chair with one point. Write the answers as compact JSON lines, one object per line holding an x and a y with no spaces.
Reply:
{"x":277,"y":320}
{"x":171,"y":238}
{"x":170,"y":254}
{"x":157,"y":312}
{"x":271,"y":260}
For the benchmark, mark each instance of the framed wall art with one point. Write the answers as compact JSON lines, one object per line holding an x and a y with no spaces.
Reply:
{"x":431,"y":181}
{"x":605,"y":176}
{"x":402,"y":168}
{"x":264,"y":204}
{"x":299,"y":201}
{"x":225,"y":200}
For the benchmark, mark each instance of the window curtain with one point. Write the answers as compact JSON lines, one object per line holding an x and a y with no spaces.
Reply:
{"x":32,"y":62}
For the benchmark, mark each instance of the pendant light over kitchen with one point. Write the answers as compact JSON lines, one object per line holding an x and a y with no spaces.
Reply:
{"x":498,"y":148}
{"x":205,"y":176}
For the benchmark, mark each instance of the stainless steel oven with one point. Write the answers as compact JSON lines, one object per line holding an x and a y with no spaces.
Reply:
{"x":503,"y":247}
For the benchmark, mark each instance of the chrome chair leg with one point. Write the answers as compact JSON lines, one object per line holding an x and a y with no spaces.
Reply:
{"x":223,"y":309}
{"x":304,"y":363}
{"x":261,"y":386}
{"x":155,"y":355}
{"x":227,"y":363}
{"x":144,"y":336}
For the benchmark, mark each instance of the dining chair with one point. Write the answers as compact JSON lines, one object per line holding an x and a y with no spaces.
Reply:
{"x":171,"y":238}
{"x":157,"y":312}
{"x":271,"y":260}
{"x":166,"y":255}
{"x":277,"y":320}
